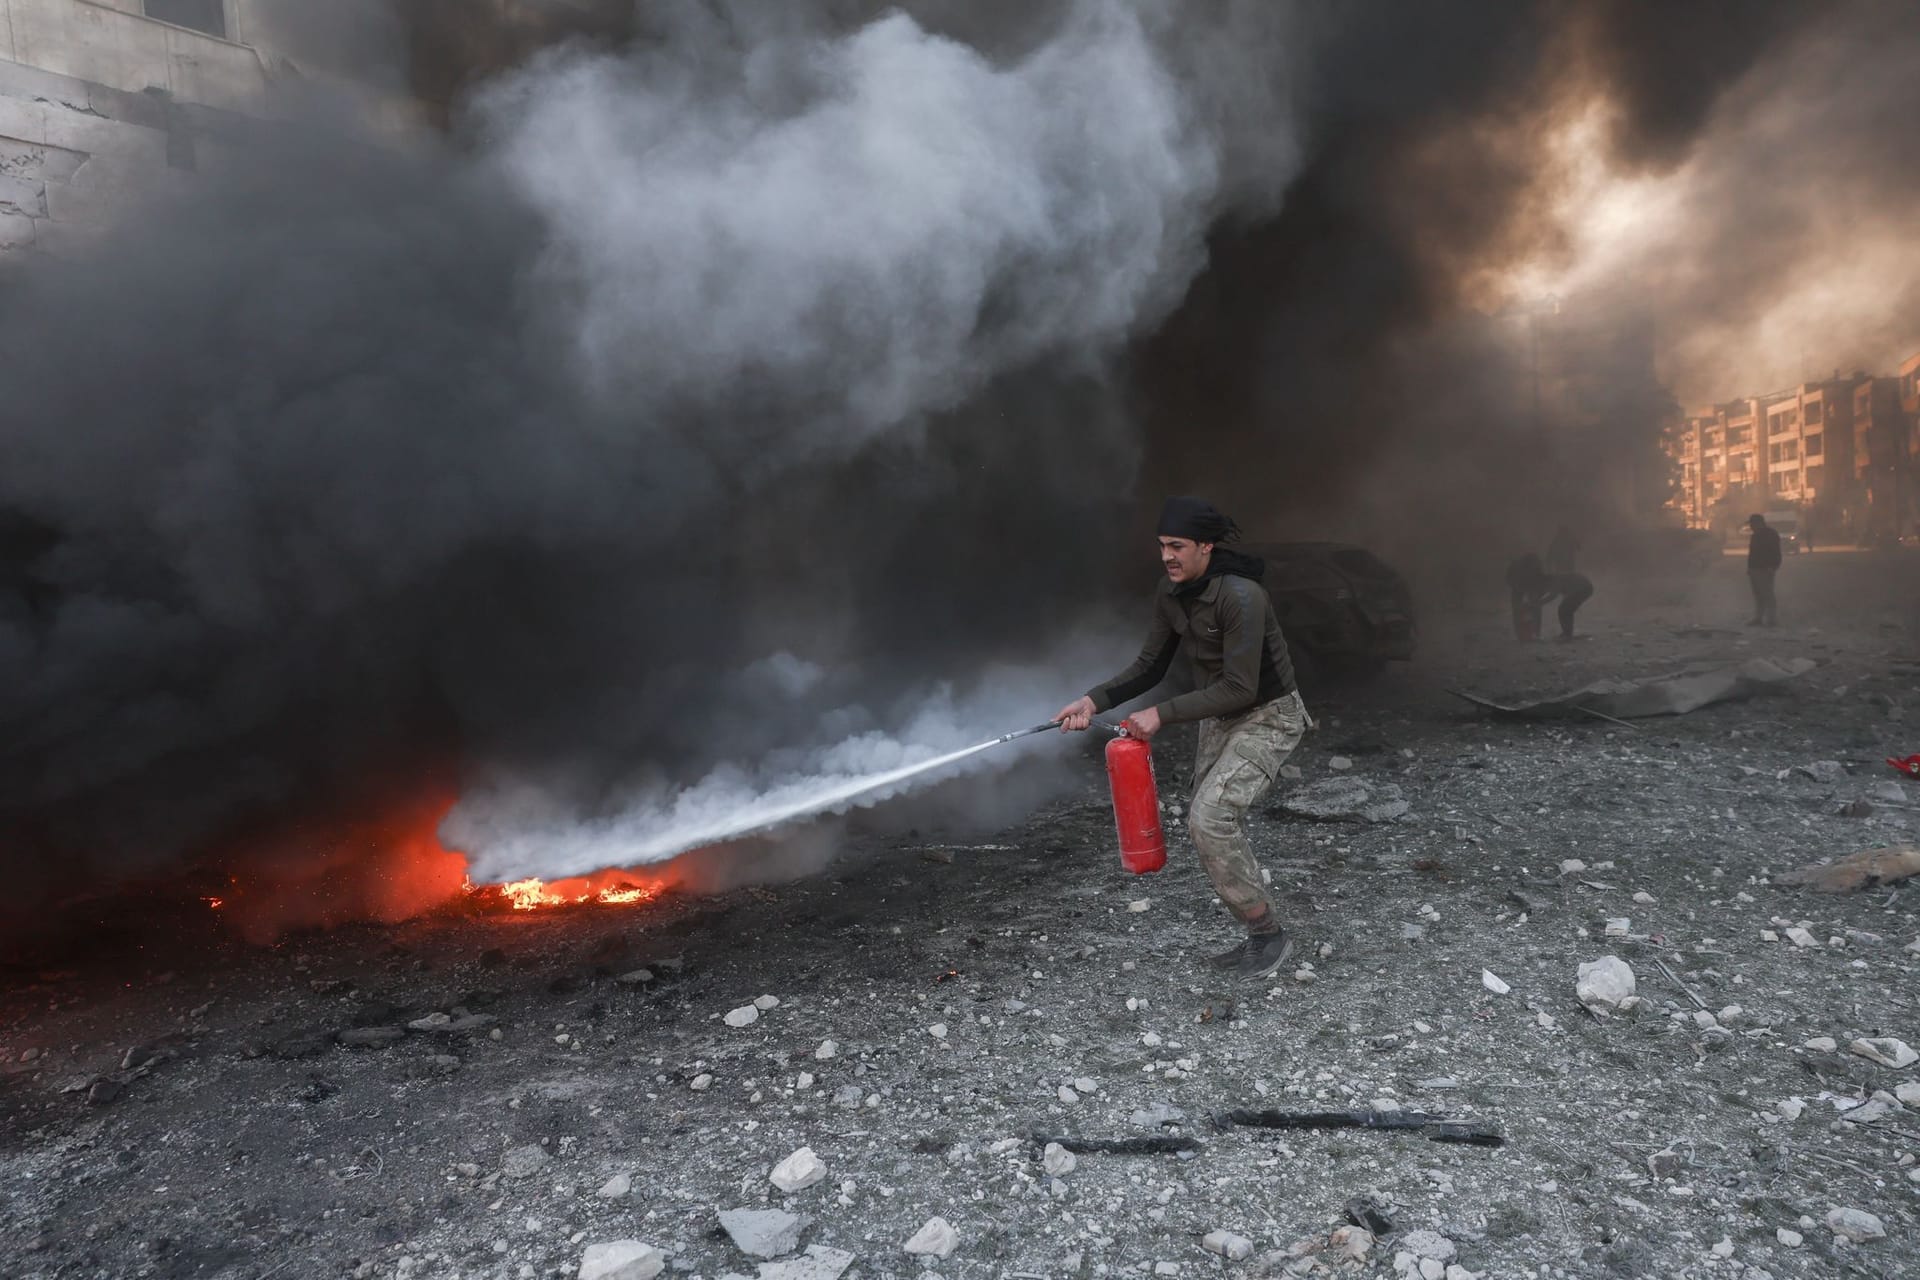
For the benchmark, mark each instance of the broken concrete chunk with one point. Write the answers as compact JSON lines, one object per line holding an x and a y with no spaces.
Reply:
{"x":1228,"y":1245}
{"x":1604,"y":985}
{"x":761,"y":1233}
{"x":798,"y":1171}
{"x":621,"y":1260}
{"x":1347,"y":800}
{"x":524,"y":1162}
{"x":936,"y":1239}
{"x":1886,"y":1051}
{"x":1428,"y":1244}
{"x":1856,"y":1225}
{"x":1493,"y":983}
{"x":615,"y":1187}
{"x":818,"y":1263}
{"x":745,"y":1016}
{"x":1058,"y":1161}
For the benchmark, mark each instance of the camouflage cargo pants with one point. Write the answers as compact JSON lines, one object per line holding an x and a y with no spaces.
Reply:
{"x":1237,"y":761}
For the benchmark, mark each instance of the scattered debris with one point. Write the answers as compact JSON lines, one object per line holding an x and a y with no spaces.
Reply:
{"x":1886,"y":1051}
{"x":761,"y":1233}
{"x":1493,"y":983}
{"x":798,"y":1171}
{"x":616,"y":1187}
{"x":1116,"y":1146}
{"x":936,"y":1239}
{"x":1605,"y":985}
{"x":1666,"y":696}
{"x":1435,"y":1128}
{"x":1228,"y":1245}
{"x":1346,"y":799}
{"x":1856,"y":1225}
{"x":745,"y":1016}
{"x":621,"y":1260}
{"x":818,"y":1263}
{"x":1868,"y":869}
{"x":524,"y":1162}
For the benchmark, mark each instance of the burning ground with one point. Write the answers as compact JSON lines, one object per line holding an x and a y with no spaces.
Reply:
{"x":486,"y":1093}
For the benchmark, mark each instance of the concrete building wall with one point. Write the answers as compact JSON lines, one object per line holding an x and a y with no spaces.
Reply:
{"x":101,"y":104}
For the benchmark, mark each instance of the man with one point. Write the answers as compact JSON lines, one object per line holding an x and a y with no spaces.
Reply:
{"x":1763,"y":561}
{"x":1249,"y":711}
{"x":1532,"y":587}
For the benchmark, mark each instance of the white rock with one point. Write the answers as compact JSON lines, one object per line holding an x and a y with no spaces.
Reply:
{"x":1908,"y":1093}
{"x":762,"y":1233}
{"x":1789,"y":1237}
{"x":615,"y":1187}
{"x":1339,"y":764}
{"x":937,"y":1239}
{"x":1731,"y":1014}
{"x":1604,"y":985}
{"x":621,"y":1260}
{"x":1723,"y":1248}
{"x":1801,"y":938}
{"x":1457,"y":1272}
{"x":938,"y":1031}
{"x":764,"y":1003}
{"x":1493,"y":983}
{"x":1068,"y":1095}
{"x":827,"y":1049}
{"x":1572,"y":866}
{"x":818,"y":1263}
{"x":803,"y":1081}
{"x":1644,"y":898}
{"x":1432,"y":1269}
{"x":1821,"y":1044}
{"x":1704,"y":1020}
{"x":1791,"y":1108}
{"x":1856,"y":1225}
{"x":1428,"y":1244}
{"x":1139,"y":904}
{"x":1086,"y":1084}
{"x":745,"y":1016}
{"x":1228,"y":1245}
{"x":1886,"y":1051}
{"x":1058,"y":1161}
{"x":798,"y":1171}
{"x":701,"y":1083}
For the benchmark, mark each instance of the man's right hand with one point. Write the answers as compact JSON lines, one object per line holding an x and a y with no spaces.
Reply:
{"x":1076,"y":715}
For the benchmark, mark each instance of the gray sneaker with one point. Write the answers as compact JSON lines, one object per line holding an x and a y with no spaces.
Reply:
{"x":1264,"y":953}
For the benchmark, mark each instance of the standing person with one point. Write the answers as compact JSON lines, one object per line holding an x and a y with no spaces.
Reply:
{"x":1763,"y":561}
{"x":1245,"y":701}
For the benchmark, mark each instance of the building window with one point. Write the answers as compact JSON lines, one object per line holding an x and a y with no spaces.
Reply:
{"x":1815,"y":446}
{"x":209,"y":16}
{"x":1813,"y":412}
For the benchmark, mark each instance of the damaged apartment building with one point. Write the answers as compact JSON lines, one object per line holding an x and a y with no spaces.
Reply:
{"x":1844,"y":453}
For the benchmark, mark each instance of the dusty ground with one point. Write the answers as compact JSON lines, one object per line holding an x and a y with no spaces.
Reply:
{"x":965,"y":987}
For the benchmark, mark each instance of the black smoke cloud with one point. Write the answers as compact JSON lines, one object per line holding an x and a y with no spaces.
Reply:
{"x":374,"y":466}
{"x":730,"y":376}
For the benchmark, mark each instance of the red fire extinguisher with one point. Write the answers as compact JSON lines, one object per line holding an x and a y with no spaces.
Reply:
{"x":1136,"y":805}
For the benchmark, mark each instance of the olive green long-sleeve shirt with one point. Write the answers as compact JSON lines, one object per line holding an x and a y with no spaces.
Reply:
{"x":1239,"y":656}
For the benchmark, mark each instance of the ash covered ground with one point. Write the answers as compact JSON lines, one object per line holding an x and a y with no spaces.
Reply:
{"x":199,"y":1108}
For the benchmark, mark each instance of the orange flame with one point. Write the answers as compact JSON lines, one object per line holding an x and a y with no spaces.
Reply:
{"x":610,"y":887}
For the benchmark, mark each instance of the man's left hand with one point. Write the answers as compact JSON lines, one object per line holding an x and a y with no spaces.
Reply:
{"x":1143,"y":724}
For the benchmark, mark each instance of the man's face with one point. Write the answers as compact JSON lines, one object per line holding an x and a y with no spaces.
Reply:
{"x":1185,"y":560}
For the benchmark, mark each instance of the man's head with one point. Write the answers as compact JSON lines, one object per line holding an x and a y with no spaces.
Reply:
{"x":1756,"y":521}
{"x":1189,"y":528}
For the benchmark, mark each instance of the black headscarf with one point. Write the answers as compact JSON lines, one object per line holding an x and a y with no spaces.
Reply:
{"x":1196,"y":519}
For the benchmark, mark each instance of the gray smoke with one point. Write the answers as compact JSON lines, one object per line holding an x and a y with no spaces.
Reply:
{"x":374,"y":466}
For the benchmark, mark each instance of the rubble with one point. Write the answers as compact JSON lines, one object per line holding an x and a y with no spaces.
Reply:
{"x":798,"y":1171}
{"x":1605,"y":985}
{"x":761,"y":1233}
{"x":616,"y":1187}
{"x":1228,"y":1245}
{"x":621,"y":1260}
{"x":1346,"y":799}
{"x":1856,"y":1225}
{"x":1665,"y":696}
{"x":1886,"y":1051}
{"x":818,"y":1263}
{"x":1057,"y":1160}
{"x":937,"y":1239}
{"x":744,"y":1016}
{"x":524,"y":1162}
